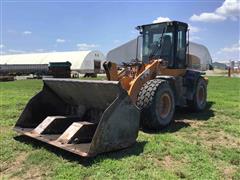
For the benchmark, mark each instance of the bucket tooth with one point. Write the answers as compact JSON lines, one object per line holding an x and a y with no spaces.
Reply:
{"x":54,"y":124}
{"x":78,"y":132}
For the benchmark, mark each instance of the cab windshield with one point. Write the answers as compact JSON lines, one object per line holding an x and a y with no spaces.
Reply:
{"x":157,"y":42}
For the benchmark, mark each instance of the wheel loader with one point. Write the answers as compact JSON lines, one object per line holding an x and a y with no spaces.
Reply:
{"x":88,"y":117}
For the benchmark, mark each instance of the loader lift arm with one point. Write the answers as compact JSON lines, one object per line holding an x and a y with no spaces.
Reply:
{"x":134,"y":77}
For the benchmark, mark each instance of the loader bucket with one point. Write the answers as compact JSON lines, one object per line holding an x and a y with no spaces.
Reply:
{"x":83,"y":117}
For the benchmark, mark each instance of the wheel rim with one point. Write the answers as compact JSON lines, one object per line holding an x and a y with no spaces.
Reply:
{"x":201,"y":95}
{"x":165,"y":105}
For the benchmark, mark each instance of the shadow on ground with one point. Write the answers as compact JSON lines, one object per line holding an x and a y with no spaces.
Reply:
{"x":134,"y":150}
{"x":182,"y":114}
{"x":186,"y":113}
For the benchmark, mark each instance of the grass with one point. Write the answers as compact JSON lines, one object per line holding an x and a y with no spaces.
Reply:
{"x":197,"y":146}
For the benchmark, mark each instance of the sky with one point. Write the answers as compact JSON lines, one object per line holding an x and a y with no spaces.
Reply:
{"x":61,"y":25}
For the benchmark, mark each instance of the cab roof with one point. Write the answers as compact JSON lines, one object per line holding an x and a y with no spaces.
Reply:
{"x":165,"y":22}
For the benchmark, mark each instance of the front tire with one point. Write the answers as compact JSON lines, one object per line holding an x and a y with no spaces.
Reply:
{"x":156,"y":101}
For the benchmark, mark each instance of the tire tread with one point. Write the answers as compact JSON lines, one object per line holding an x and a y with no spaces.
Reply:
{"x":145,"y":101}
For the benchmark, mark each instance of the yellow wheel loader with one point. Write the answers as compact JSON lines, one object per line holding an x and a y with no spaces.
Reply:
{"x":92,"y":117}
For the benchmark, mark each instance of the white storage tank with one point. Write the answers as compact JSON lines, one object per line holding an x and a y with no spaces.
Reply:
{"x":202,"y":53}
{"x":128,"y":51}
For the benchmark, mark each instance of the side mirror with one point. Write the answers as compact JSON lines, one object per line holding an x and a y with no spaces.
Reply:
{"x":187,"y":48}
{"x":187,"y":44}
{"x":140,"y":29}
{"x":137,"y":47}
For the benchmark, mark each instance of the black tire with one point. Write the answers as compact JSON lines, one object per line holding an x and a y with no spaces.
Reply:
{"x":157,"y":104}
{"x":199,"y":101}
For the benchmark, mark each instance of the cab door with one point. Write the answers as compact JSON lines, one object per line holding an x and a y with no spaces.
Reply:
{"x":181,"y":47}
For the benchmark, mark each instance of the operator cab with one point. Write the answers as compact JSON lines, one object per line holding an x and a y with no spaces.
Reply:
{"x":167,"y":41}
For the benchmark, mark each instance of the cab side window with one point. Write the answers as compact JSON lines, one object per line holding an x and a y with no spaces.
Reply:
{"x":181,"y":47}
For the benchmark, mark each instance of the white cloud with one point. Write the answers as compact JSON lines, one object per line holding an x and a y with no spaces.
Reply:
{"x":40,"y":50}
{"x":194,"y":38}
{"x":161,"y":19}
{"x":193,"y":29}
{"x":27,"y":32}
{"x":233,"y":48}
{"x":60,"y":40}
{"x":14,"y":51}
{"x":84,"y":46}
{"x":228,"y":52}
{"x":229,"y":9}
{"x":207,"y":17}
{"x":192,"y":33}
{"x":116,"y":41}
{"x":2,"y":46}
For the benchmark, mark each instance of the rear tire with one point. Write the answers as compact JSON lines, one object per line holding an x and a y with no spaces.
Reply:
{"x":199,"y":101}
{"x":156,"y":101}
